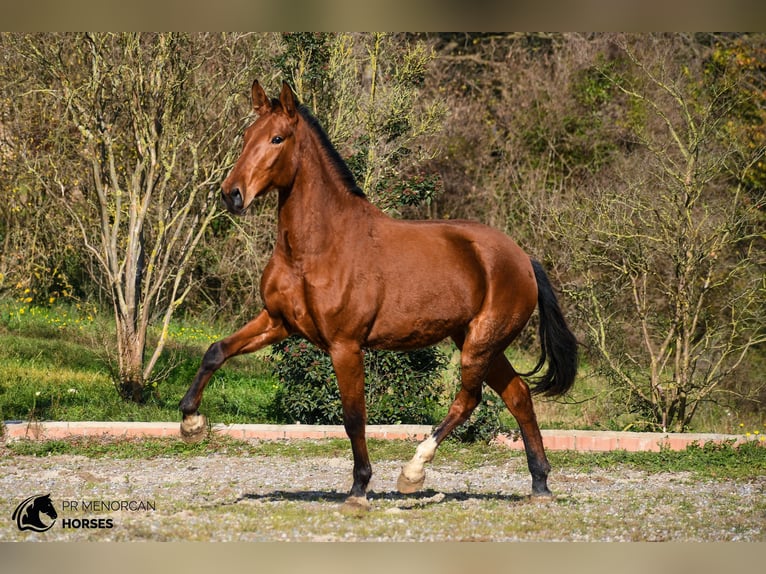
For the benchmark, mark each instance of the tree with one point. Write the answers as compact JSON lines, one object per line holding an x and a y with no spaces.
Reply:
{"x":670,"y":254}
{"x":30,"y":263}
{"x":144,"y":135}
{"x":579,"y":146}
{"x":366,"y":89}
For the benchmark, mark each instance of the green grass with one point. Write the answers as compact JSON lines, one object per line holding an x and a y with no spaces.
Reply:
{"x":54,"y":367}
{"x":711,"y":460}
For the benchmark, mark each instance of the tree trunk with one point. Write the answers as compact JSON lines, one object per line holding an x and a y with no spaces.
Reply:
{"x":131,"y":347}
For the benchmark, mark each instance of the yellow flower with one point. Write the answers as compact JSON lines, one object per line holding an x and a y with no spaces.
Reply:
{"x":52,"y":300}
{"x":21,"y":311}
{"x":28,"y":300}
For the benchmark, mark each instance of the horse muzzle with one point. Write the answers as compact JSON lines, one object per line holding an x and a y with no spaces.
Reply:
{"x":234,"y":201}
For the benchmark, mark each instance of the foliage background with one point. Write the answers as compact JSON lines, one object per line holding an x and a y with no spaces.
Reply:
{"x":563,"y":141}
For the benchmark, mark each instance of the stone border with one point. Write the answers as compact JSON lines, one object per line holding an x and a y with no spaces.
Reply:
{"x":603,"y":441}
{"x":576,"y":440}
{"x":16,"y":430}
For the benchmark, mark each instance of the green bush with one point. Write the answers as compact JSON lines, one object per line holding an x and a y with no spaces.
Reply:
{"x":400,"y":387}
{"x":485,"y":422}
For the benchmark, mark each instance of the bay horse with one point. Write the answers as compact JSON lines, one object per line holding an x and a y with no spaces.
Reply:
{"x":346,"y":276}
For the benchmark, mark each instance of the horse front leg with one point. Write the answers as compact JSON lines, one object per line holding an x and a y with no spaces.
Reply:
{"x":348,"y":362}
{"x":261,"y":331}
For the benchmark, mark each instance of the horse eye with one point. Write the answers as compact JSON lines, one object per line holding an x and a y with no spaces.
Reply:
{"x":277,"y":139}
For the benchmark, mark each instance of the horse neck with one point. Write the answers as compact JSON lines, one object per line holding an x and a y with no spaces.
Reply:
{"x":318,"y":208}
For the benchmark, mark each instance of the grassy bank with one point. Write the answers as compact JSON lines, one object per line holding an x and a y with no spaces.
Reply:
{"x":54,"y":365}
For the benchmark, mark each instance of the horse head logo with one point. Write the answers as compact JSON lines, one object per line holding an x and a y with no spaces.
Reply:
{"x":28,"y":514}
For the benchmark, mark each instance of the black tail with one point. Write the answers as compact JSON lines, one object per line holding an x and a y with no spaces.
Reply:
{"x":559,"y":345}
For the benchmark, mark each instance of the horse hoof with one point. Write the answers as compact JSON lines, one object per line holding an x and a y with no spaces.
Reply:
{"x":194,"y":428}
{"x":541,"y":490}
{"x":542,"y":495}
{"x":355,"y":506}
{"x":407,"y":486}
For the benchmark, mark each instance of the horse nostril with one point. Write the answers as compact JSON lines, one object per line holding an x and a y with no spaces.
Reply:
{"x":236,"y":198}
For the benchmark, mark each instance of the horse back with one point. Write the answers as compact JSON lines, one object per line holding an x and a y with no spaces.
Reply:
{"x":438,"y":276}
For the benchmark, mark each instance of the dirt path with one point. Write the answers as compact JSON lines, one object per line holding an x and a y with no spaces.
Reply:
{"x":273,"y":498}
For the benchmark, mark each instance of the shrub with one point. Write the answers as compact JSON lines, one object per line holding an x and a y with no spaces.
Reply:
{"x":400,"y":387}
{"x":484,"y":424}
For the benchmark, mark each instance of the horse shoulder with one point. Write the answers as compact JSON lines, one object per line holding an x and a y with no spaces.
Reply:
{"x":281,"y":287}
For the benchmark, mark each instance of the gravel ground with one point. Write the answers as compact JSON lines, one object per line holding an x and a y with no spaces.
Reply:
{"x":273,"y":498}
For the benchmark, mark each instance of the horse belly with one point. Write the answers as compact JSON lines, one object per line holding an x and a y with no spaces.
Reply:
{"x":418,"y":310}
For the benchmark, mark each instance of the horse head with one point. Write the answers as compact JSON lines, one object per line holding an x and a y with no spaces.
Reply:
{"x":44,"y":505}
{"x":268,"y":159}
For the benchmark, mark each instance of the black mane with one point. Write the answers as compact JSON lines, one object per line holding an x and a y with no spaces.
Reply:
{"x":339,"y":165}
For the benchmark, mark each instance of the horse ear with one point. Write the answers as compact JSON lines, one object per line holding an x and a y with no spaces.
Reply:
{"x":287,"y":99}
{"x":261,"y":102}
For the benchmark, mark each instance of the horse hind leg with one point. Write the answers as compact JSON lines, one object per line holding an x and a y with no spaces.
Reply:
{"x":473,"y":372}
{"x":504,"y":380}
{"x":413,"y":474}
